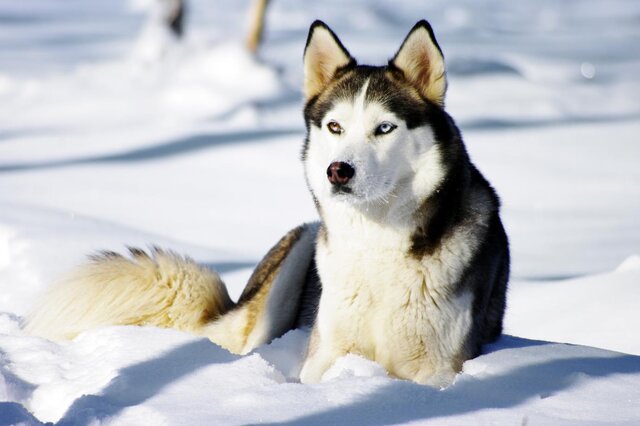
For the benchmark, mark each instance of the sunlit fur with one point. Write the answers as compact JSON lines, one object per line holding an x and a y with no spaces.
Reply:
{"x":408,"y":265}
{"x":162,"y":289}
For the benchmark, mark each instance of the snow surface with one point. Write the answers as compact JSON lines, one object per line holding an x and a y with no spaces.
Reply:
{"x":113,"y":133}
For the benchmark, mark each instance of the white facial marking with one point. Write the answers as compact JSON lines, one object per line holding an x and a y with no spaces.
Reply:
{"x":391,"y":162}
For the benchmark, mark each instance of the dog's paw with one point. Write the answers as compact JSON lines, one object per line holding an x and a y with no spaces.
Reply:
{"x":352,"y":365}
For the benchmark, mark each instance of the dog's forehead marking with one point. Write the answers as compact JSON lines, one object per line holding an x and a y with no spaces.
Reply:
{"x":347,"y":105}
{"x":358,"y":106}
{"x":361,"y":99}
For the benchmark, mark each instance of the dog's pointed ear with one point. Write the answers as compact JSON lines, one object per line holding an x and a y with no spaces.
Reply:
{"x":323,"y":56}
{"x":422,"y":64}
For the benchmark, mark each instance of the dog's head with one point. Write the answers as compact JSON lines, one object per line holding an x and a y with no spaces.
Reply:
{"x":372,"y":131}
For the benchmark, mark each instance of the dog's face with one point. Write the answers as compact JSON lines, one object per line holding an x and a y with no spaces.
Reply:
{"x":370,"y":129}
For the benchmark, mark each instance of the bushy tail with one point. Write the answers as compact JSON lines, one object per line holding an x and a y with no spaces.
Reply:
{"x":159,"y":289}
{"x":163,"y":289}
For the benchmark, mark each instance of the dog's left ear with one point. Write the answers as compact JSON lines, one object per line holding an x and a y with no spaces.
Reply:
{"x":420,"y":60}
{"x":323,"y":56}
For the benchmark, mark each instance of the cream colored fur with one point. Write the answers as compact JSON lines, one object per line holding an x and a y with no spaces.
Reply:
{"x":165,"y":290}
{"x":423,"y":65}
{"x":385,"y":305}
{"x":322,"y":58}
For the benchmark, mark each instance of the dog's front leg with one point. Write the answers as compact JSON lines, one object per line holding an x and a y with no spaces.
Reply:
{"x":320,"y":356}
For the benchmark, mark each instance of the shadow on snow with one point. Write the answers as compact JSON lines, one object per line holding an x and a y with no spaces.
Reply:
{"x":224,"y":267}
{"x":163,"y":150}
{"x":396,"y":402}
{"x":12,"y":413}
{"x":401,"y":401}
{"x":139,"y":382}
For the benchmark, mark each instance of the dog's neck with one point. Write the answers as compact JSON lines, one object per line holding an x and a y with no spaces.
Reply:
{"x":383,"y":223}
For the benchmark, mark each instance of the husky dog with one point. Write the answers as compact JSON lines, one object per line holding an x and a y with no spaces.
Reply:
{"x":408,"y":265}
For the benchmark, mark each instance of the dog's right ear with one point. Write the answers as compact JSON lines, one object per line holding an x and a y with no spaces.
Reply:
{"x":323,"y":56}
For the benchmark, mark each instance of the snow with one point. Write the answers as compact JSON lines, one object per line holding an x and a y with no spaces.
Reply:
{"x":113,"y":133}
{"x":124,"y":375}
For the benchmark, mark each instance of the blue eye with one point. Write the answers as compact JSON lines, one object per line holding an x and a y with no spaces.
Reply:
{"x":385,"y":128}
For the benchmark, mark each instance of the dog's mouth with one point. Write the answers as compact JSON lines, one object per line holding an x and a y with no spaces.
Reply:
{"x":357,"y":195}
{"x":341,"y":189}
{"x":348,"y":195}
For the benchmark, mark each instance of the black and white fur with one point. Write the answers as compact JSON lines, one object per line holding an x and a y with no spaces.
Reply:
{"x":412,"y":255}
{"x":408,"y":265}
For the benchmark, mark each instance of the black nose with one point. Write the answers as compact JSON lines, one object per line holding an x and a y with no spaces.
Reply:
{"x":340,"y":173}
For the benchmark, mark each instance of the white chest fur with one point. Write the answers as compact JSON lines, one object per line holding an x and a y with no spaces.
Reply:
{"x":382,"y":302}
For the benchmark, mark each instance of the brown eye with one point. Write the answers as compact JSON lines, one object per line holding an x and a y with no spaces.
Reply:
{"x":334,"y":127}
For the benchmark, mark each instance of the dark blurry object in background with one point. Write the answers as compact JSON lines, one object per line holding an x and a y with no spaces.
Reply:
{"x":174,"y":15}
